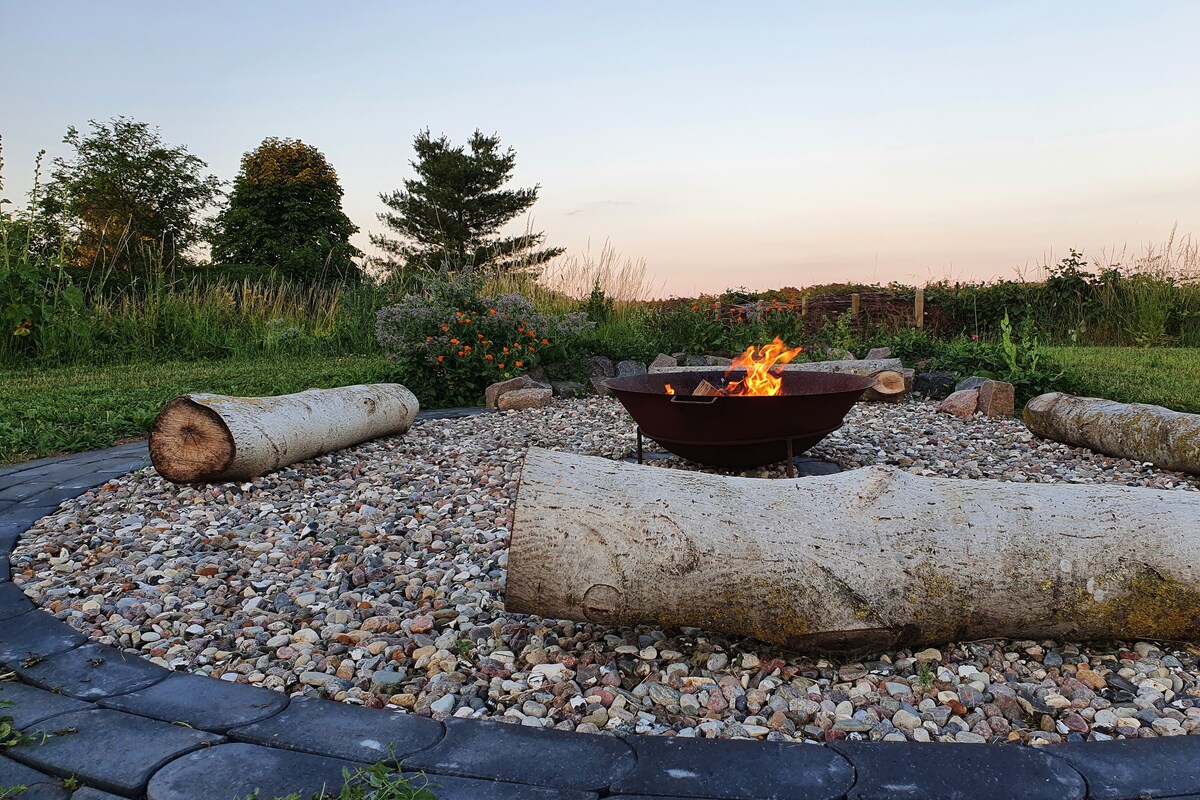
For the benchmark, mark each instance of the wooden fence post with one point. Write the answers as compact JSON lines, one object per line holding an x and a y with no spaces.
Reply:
{"x":854,"y":307}
{"x":804,"y":306}
{"x":919,"y":308}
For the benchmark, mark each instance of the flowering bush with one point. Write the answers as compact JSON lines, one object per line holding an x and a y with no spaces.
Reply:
{"x":454,"y":340}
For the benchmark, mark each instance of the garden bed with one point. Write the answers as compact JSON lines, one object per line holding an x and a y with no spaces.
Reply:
{"x":376,"y":576}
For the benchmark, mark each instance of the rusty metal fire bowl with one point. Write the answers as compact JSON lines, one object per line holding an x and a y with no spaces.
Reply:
{"x":738,"y":431}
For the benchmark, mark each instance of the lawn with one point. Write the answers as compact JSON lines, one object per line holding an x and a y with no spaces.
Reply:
{"x":48,"y":411}
{"x":1163,"y":376}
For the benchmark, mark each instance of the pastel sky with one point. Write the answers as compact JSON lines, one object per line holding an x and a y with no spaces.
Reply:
{"x":727,"y":144}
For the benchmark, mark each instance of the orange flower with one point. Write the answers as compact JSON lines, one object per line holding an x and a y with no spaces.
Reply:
{"x":458,"y":313}
{"x":518,"y":363}
{"x":488,"y":356}
{"x":492,"y":311}
{"x":445,"y":328}
{"x":506,"y":349}
{"x":545,"y":341}
{"x":466,"y":320}
{"x":467,"y":347}
{"x":499,"y":366}
{"x":454,"y":341}
{"x":461,"y":354}
{"x":441,"y":358}
{"x":429,"y":338}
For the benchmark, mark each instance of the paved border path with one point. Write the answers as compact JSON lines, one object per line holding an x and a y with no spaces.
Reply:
{"x":129,"y":728}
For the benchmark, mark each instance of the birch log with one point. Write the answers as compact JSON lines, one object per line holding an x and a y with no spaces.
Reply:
{"x":1168,"y":439}
{"x":211,"y":437}
{"x":866,"y":560}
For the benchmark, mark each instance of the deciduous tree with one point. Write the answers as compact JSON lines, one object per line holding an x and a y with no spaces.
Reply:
{"x":128,"y":198}
{"x":285,"y":211}
{"x":452,"y":211}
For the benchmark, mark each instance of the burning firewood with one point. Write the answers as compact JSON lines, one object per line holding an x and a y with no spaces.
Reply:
{"x":869,"y":559}
{"x":706,"y":389}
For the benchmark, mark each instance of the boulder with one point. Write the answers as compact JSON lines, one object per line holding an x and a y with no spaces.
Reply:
{"x":879,"y":352}
{"x":627,"y":369}
{"x":522,"y":399}
{"x":838,"y":354}
{"x":719,"y":361}
{"x":973,"y":382}
{"x":538,"y":377}
{"x":694,"y":361}
{"x":492,"y":394}
{"x":664,"y":361}
{"x":961,"y":404}
{"x":568,"y":388}
{"x":997,"y":399}
{"x":600,"y":367}
{"x":600,"y":386}
{"x":935,"y":385}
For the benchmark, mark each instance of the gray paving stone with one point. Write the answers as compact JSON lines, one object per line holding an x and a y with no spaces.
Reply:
{"x":13,"y":601}
{"x":342,"y":731}
{"x":36,"y":634}
{"x":5,"y":570}
{"x":92,"y":672}
{"x":445,"y":787}
{"x":88,"y":793}
{"x":27,"y":488}
{"x":204,"y":703}
{"x":16,"y":520}
{"x":29,"y":705}
{"x":735,"y":769}
{"x":517,"y":754}
{"x":230,"y":771}
{"x":39,"y":786}
{"x":1136,"y":768}
{"x":945,"y":771}
{"x":109,"y":750}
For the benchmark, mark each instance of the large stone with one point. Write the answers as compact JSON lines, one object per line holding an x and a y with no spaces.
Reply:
{"x":879,"y":352}
{"x":238,"y":770}
{"x":601,"y":367}
{"x":568,"y":388}
{"x":92,"y":672}
{"x":961,"y":404}
{"x":492,"y":394}
{"x":522,"y":399}
{"x":628,"y":369}
{"x":201,"y":702}
{"x":600,"y":386}
{"x":840,"y":354}
{"x":997,"y":399}
{"x":973,"y":382}
{"x":935,"y":385}
{"x":664,"y":361}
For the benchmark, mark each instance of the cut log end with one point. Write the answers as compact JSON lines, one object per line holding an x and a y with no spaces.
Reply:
{"x":888,"y":382}
{"x":190,"y":443}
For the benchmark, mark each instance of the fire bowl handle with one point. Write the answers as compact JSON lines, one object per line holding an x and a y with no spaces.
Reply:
{"x":700,"y":401}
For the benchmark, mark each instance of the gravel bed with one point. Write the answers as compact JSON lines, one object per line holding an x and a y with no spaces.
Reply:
{"x":376,"y":576}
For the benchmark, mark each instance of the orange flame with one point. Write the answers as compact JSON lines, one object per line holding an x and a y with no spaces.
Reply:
{"x":759,"y":380}
{"x":670,"y":389}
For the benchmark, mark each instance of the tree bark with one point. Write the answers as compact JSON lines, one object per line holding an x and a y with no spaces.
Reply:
{"x":1168,"y":439}
{"x":209,"y":437}
{"x":866,"y":560}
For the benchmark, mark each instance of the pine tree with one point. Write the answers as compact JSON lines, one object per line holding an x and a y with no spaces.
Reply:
{"x":451,"y":213}
{"x":285,"y":212}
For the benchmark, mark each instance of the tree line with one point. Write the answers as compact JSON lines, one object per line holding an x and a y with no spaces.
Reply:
{"x":125,"y":199}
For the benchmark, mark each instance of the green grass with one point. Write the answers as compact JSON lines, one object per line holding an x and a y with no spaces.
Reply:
{"x":1163,"y":376}
{"x":69,"y":409}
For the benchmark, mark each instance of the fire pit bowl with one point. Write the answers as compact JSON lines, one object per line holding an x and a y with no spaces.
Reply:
{"x":738,"y":431}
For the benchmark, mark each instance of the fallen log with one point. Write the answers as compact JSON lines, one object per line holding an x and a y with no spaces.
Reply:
{"x":1168,"y":439}
{"x":211,"y":437}
{"x":889,"y":386}
{"x":859,"y":367}
{"x":866,"y":560}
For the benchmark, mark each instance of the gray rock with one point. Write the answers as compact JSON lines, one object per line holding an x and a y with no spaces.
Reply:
{"x":628,"y":369}
{"x":838,"y":354}
{"x":387,"y":681}
{"x":695,"y":361}
{"x":935,"y":385}
{"x":568,"y":388}
{"x":879,"y":352}
{"x":973,"y":382}
{"x":600,"y":386}
{"x":445,"y":703}
{"x":601,"y":367}
{"x":663,"y":361}
{"x":961,"y":404}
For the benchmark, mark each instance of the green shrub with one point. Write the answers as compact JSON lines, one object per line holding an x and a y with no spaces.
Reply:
{"x":453,"y":340}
